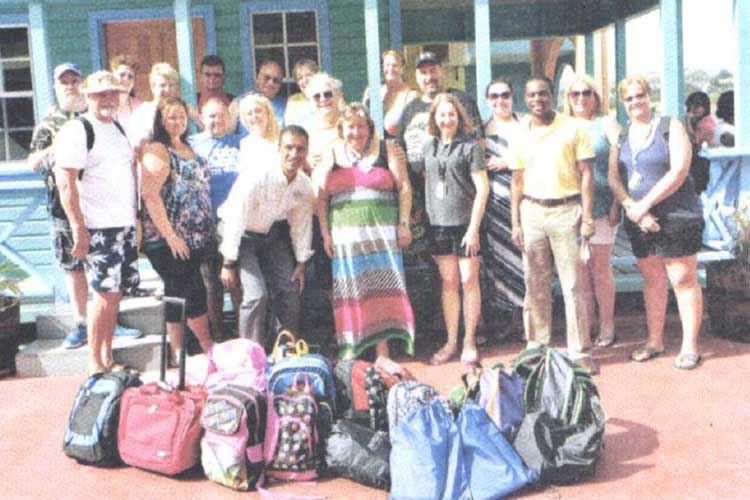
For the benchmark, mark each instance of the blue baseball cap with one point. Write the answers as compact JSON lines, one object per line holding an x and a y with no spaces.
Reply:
{"x":60,"y":69}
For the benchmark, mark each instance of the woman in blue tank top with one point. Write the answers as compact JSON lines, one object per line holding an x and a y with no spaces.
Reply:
{"x":585,"y":103}
{"x":664,"y":218}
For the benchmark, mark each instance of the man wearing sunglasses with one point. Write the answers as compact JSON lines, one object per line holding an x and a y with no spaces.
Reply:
{"x":268,"y":82}
{"x":552,"y":199}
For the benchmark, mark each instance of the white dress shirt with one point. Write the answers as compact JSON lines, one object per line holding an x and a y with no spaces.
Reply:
{"x":260,"y":197}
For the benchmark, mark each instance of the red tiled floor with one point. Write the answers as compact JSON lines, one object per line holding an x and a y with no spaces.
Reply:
{"x":670,"y":435}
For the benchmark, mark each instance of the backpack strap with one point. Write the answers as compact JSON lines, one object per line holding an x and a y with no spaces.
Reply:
{"x":90,"y":137}
{"x":119,"y":127}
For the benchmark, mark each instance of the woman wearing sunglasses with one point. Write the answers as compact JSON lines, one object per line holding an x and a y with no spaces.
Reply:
{"x":456,"y":190}
{"x":124,"y":68}
{"x":664,"y":219}
{"x":584,"y":102}
{"x":503,"y":297}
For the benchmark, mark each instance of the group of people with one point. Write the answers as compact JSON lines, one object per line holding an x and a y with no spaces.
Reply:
{"x":269,"y":193}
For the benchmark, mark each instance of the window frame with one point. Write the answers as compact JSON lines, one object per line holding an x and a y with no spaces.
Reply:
{"x":14,"y":22}
{"x":248,"y":9}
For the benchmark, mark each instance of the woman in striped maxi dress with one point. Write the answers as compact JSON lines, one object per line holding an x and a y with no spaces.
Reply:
{"x":364,"y":207}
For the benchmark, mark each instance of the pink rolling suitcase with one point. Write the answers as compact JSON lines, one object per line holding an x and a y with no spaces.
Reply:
{"x":160,"y":427}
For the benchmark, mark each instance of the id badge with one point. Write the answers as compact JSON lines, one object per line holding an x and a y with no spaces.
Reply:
{"x":440,"y":189}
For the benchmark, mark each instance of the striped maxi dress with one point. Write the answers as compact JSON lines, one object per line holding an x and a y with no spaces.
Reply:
{"x":370,"y":302}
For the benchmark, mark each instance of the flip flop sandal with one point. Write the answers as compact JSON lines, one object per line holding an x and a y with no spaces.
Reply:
{"x":120,"y":368}
{"x":605,"y":341}
{"x":645,"y":353}
{"x":687,"y":361}
{"x":445,"y":354}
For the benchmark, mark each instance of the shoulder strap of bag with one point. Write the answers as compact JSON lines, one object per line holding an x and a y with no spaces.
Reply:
{"x":90,"y":137}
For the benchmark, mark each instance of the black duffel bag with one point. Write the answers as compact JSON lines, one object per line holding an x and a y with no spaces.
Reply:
{"x":559,"y":453}
{"x":360,"y":454}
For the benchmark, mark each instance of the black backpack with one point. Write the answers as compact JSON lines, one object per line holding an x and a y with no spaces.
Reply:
{"x":561,"y":437}
{"x":53,"y":194}
{"x":91,"y":435}
{"x":359,"y":453}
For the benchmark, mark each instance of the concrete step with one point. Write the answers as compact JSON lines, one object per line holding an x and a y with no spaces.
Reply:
{"x":47,"y":357}
{"x":143,"y":313}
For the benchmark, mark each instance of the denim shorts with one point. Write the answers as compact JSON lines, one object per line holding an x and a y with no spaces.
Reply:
{"x":671,"y":241}
{"x":446,"y":240}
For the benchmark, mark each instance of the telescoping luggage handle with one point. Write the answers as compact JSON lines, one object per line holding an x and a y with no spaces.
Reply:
{"x":179,"y":302}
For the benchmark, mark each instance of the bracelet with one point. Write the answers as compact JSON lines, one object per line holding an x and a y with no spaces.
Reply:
{"x":230,"y":265}
{"x":588,"y":221}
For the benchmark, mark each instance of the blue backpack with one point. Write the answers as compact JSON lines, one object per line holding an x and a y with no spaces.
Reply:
{"x":493,"y":468}
{"x":427,"y":462}
{"x":91,"y":435}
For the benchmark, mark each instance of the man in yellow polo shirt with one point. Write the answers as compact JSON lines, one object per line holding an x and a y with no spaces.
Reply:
{"x":552,"y":197}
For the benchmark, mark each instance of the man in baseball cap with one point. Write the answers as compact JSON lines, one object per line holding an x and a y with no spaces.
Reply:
{"x":98,"y":192}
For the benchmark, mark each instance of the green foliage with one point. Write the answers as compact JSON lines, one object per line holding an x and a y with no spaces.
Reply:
{"x":10,"y":276}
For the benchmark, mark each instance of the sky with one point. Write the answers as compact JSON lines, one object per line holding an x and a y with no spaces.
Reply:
{"x":708,"y":38}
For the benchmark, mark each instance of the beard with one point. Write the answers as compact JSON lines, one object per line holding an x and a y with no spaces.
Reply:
{"x":71,"y":103}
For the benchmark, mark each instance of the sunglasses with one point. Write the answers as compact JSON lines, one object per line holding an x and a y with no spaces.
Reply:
{"x":322,"y":95}
{"x":631,"y":98}
{"x":575,"y":94}
{"x":268,"y":78}
{"x":501,"y":95}
{"x":213,"y":75}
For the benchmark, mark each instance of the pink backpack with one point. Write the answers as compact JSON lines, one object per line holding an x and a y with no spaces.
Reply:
{"x":234,"y":419}
{"x":238,"y":360}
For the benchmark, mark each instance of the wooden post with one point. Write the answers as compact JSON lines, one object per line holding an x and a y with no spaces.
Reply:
{"x":183,"y":19}
{"x":483,"y":52}
{"x":742,"y":75}
{"x":372,"y":42}
{"x":44,"y":95}
{"x":673,"y":78}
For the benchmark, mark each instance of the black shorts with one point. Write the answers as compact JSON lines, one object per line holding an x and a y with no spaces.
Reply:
{"x":182,"y":278}
{"x":446,"y":240}
{"x":673,"y":240}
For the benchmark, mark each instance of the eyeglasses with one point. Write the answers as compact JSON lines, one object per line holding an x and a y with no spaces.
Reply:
{"x":322,"y":95}
{"x":575,"y":94}
{"x":631,"y":98}
{"x":208,"y":74}
{"x":269,"y":78}
{"x":125,"y":75}
{"x":501,"y":95}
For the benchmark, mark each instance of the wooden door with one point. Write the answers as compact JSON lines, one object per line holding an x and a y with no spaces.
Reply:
{"x":148,"y":42}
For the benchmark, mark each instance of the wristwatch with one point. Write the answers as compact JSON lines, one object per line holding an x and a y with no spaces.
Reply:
{"x":404,"y":222}
{"x":230,"y":265}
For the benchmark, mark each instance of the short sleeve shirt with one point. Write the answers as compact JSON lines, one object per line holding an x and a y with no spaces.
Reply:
{"x":548,"y":155}
{"x":107,"y":189}
{"x":222,"y":156}
{"x":449,"y":189}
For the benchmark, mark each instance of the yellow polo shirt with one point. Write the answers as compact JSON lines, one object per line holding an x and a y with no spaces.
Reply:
{"x":547,"y":155}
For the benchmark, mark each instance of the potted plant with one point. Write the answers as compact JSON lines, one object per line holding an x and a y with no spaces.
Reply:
{"x":728,"y":285}
{"x":10,"y":315}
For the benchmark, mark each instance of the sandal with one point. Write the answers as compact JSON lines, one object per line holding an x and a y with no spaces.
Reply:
{"x":469,"y":359}
{"x":96,"y":370}
{"x":604,"y":341}
{"x":445,"y":354}
{"x":644,"y":353}
{"x":687,"y":361}
{"x":114,"y":367}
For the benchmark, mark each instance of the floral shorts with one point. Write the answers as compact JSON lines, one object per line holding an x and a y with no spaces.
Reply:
{"x":112,"y":261}
{"x":62,"y":240}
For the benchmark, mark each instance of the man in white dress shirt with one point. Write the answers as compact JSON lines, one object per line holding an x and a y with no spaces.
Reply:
{"x":257,"y":241}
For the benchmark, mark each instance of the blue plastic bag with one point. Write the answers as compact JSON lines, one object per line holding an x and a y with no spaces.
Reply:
{"x":492,"y":466}
{"x":426,"y":459}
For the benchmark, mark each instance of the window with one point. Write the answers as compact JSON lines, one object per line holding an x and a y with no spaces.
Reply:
{"x":286,"y":37}
{"x":16,"y":94}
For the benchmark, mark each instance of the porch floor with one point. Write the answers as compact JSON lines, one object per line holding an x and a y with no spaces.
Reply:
{"x":670,"y":434}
